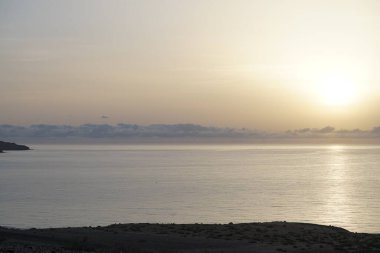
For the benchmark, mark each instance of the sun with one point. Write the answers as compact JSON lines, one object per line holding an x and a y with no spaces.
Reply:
{"x":337,"y":90}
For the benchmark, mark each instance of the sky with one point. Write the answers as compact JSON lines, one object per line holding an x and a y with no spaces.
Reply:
{"x":271,"y":65}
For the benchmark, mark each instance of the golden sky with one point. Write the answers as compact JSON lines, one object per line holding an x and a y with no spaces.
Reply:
{"x":269,"y":64}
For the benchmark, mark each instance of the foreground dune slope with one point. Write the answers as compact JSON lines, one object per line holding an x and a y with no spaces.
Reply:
{"x":246,"y":237}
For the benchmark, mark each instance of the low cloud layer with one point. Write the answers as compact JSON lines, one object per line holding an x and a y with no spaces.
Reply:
{"x":184,"y":131}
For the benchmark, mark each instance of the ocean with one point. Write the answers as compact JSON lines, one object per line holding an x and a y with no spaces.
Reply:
{"x":90,"y":185}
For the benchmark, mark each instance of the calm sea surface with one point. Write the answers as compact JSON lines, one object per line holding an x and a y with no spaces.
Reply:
{"x":54,"y":186}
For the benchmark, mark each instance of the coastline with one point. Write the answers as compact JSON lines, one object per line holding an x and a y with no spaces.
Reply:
{"x":146,"y":237}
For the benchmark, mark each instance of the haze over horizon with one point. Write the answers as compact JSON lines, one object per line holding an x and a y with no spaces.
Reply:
{"x":270,"y":65}
{"x":182,"y":133}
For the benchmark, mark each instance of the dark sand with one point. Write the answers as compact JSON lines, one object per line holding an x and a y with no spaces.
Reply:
{"x":202,"y":238}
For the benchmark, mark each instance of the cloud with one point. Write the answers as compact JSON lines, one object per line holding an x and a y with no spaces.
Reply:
{"x":326,"y":130}
{"x":171,"y":131}
{"x":331,"y":132}
{"x":120,"y":130}
{"x":376,"y":130}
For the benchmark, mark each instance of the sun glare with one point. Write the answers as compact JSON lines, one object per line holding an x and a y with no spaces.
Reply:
{"x":337,"y":90}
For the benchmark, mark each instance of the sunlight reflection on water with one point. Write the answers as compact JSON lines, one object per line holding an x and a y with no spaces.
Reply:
{"x":336,"y":191}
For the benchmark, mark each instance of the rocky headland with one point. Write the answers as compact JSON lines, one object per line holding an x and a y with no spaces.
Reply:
{"x":11,"y":146}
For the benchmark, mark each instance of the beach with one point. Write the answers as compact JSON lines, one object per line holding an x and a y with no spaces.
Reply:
{"x":144,"y":237}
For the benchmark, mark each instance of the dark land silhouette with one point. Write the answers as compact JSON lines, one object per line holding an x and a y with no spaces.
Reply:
{"x":11,"y":146}
{"x":249,"y":237}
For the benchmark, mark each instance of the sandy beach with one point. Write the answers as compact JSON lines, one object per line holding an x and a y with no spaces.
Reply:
{"x":245,"y":237}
